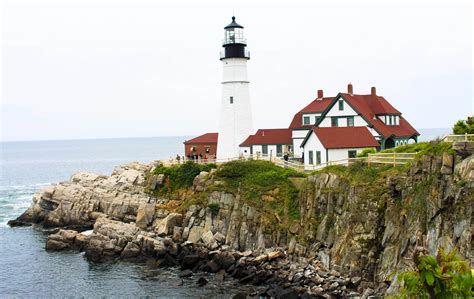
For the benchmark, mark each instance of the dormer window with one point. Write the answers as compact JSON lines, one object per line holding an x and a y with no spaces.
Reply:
{"x":306,"y":121}
{"x":390,"y":120}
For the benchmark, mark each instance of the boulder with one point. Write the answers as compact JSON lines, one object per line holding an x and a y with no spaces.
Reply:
{"x":195,"y":234}
{"x":145,"y":215}
{"x":65,"y":240}
{"x":166,"y":226}
{"x":209,"y":240}
{"x":447,"y":164}
{"x":131,"y":250}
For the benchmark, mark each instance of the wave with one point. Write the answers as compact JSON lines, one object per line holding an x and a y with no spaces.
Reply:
{"x":23,"y":187}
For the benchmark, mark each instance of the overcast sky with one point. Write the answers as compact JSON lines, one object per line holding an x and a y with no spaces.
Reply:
{"x":95,"y":69}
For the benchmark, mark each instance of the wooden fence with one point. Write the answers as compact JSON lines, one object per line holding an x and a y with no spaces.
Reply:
{"x":459,"y":138}
{"x":393,"y":159}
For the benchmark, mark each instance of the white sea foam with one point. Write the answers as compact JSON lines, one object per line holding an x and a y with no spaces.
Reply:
{"x":24,"y":187}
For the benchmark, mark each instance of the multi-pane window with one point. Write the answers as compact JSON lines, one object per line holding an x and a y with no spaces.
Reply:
{"x":316,"y":119}
{"x":350,"y":121}
{"x":341,"y":105}
{"x":265,"y":149}
{"x":306,"y":120}
{"x":352,"y":154}
{"x":310,"y":158}
{"x":279,"y":150}
{"x":334,"y":122}
{"x":318,"y":157}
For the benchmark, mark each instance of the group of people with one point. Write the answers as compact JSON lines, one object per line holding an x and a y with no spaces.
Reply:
{"x":196,"y":158}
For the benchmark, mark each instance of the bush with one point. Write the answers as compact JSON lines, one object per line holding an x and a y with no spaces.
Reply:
{"x":214,"y":207}
{"x":182,"y":176}
{"x":365,"y":152}
{"x":441,"y":276}
{"x":435,"y":147}
{"x":464,"y":126}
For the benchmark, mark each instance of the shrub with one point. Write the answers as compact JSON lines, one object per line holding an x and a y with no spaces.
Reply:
{"x":366,"y":151}
{"x":214,"y":207}
{"x":435,"y":147}
{"x":464,"y":126}
{"x":443,"y":276}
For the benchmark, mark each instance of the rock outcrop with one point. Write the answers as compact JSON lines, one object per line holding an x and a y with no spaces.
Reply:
{"x":364,"y":230}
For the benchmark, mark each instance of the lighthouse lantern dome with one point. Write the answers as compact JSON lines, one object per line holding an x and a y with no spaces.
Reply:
{"x":234,"y":34}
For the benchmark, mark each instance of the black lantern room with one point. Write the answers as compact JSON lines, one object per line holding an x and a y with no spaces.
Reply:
{"x":234,"y":42}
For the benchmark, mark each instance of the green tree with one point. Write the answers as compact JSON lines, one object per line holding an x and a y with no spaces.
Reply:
{"x":464,"y":126}
{"x":443,"y":276}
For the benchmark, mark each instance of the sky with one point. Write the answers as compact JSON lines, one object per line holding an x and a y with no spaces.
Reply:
{"x":106,"y":69}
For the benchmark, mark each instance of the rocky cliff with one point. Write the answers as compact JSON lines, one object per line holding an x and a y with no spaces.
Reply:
{"x":349,"y":231}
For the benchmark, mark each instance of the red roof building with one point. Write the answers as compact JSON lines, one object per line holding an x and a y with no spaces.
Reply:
{"x":268,"y":142}
{"x":351,"y":123}
{"x":201,"y":146}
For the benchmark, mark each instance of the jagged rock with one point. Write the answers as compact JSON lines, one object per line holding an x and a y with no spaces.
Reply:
{"x":447,"y":164}
{"x":145,"y":215}
{"x":189,"y":261}
{"x":65,"y":240}
{"x":275,"y":255}
{"x":199,"y":182}
{"x":165,"y":226}
{"x":209,"y":240}
{"x":131,"y":250}
{"x":195,"y":234}
{"x":186,"y":273}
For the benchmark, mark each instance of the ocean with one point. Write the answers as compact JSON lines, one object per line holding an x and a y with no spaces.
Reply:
{"x":27,"y":270}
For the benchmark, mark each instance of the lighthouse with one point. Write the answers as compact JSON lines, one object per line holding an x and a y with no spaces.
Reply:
{"x":235,"y":123}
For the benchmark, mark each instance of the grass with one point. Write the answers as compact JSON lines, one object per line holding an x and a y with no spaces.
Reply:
{"x":255,"y":178}
{"x":181,"y":176}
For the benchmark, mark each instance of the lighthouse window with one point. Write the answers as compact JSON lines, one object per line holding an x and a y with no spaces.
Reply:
{"x":232,"y":100}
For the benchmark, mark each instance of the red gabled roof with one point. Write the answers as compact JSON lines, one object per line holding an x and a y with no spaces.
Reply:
{"x":269,"y":136}
{"x":205,"y":138}
{"x":345,"y":137}
{"x":316,"y":106}
{"x":372,"y":105}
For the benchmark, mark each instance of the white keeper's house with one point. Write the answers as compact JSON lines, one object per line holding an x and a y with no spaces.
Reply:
{"x":351,"y":123}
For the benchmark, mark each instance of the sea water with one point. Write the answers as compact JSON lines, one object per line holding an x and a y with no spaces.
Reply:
{"x":27,"y":270}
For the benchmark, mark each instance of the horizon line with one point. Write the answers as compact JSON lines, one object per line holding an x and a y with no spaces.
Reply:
{"x":137,"y":137}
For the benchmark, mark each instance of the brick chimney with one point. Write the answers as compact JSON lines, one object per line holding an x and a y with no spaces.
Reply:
{"x":373,"y":91}
{"x":320,"y":93}
{"x":350,"y":90}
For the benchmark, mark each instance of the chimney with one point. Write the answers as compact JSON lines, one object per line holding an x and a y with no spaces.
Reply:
{"x":263,"y":133}
{"x":350,"y":89}
{"x":320,"y":93}
{"x":373,"y":91}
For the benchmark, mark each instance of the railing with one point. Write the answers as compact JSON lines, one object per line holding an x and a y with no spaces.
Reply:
{"x":234,"y":40}
{"x":344,"y":162}
{"x":394,"y":159}
{"x":459,"y":138}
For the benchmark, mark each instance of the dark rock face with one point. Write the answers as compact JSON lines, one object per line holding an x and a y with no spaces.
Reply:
{"x":363,"y":231}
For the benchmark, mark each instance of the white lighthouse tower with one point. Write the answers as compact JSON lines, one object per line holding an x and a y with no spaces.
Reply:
{"x":236,"y":114}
